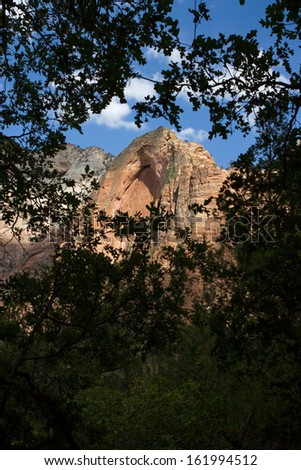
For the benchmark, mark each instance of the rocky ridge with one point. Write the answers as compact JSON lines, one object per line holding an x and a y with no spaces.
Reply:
{"x":156,"y":167}
{"x":22,"y":255}
{"x":161,"y":168}
{"x":72,"y":160}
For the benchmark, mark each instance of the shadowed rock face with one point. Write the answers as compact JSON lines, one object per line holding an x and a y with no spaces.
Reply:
{"x":15,"y":256}
{"x":136,"y":177}
{"x":160,"y":167}
{"x":73,"y":161}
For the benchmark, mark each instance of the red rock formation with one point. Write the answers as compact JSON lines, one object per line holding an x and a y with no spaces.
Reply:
{"x":157,"y":167}
{"x":160,"y":167}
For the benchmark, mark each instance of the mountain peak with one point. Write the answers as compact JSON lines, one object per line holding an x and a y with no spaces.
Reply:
{"x":156,"y":167}
{"x":159,"y":167}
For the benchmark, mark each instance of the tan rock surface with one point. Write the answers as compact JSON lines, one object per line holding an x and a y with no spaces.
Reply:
{"x":160,"y":167}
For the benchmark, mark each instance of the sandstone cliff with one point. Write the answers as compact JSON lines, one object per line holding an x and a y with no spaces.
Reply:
{"x":160,"y":167}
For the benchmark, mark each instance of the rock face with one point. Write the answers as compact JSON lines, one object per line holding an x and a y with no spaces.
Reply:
{"x":160,"y":167}
{"x":156,"y":167}
{"x":73,"y":161}
{"x":15,"y":256}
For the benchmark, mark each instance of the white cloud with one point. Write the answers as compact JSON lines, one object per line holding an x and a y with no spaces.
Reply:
{"x":138,"y":88}
{"x":284,"y":79}
{"x":192,"y":134}
{"x":14,"y":10}
{"x":114,"y":116}
{"x":185,"y":89}
{"x":175,"y":56}
{"x":152,"y":53}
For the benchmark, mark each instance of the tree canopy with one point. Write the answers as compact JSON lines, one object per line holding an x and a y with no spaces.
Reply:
{"x":107,"y":341}
{"x":58,"y":67}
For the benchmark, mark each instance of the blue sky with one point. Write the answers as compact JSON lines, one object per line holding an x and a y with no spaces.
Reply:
{"x":114,"y":129}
